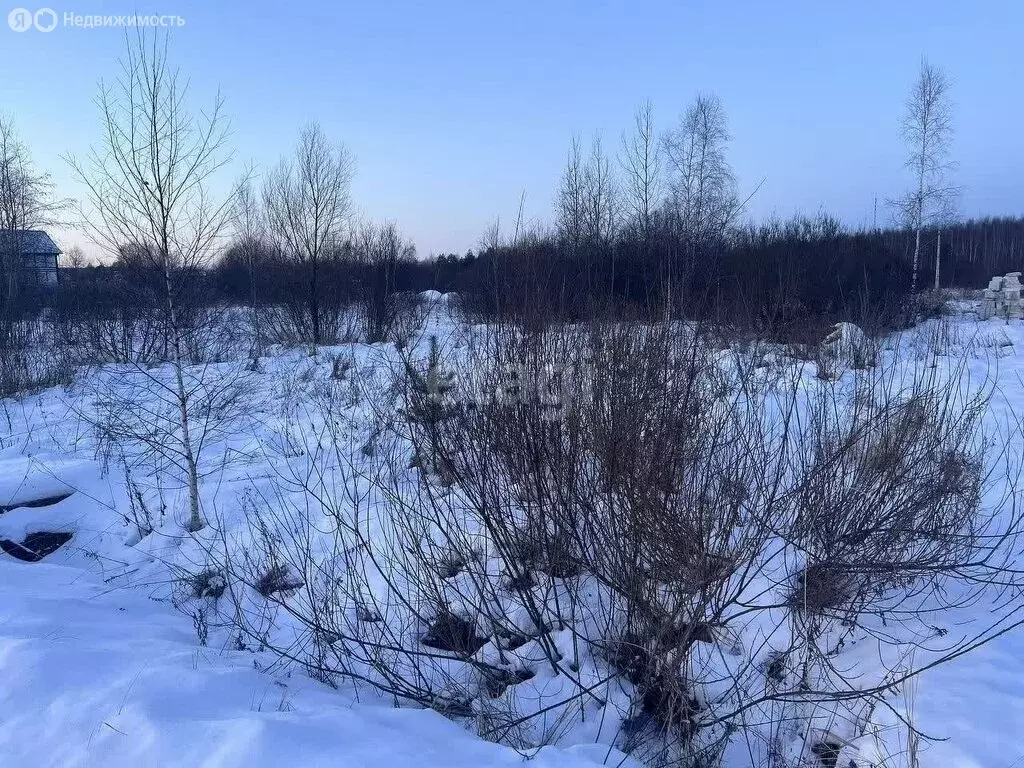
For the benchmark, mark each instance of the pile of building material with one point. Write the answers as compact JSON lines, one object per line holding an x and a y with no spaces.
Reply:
{"x":1002,"y":298}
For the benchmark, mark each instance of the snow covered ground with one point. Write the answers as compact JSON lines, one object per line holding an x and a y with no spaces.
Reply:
{"x":974,"y":707}
{"x":101,"y":666}
{"x":101,"y":676}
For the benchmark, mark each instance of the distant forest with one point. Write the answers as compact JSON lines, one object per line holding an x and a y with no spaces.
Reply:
{"x":790,"y":277}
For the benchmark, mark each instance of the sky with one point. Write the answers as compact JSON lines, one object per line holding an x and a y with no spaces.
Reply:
{"x":453,"y":110}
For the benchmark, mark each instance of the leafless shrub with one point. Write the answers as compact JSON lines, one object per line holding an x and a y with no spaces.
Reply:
{"x":409,"y":313}
{"x":289,"y":323}
{"x":307,"y":205}
{"x":453,"y":633}
{"x":380,"y":249}
{"x":118,"y":320}
{"x":930,"y":305}
{"x":137,"y":417}
{"x":140,"y":516}
{"x":890,"y":487}
{"x":200,"y":621}
{"x":820,"y":588}
{"x":30,"y":358}
{"x":674,"y":533}
{"x":607,"y":466}
{"x":680,"y":483}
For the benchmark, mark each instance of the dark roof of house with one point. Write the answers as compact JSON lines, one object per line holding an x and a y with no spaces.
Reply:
{"x":33,"y":241}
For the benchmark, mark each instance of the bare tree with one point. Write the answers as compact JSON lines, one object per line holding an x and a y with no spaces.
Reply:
{"x":641,"y":165}
{"x":26,"y":202}
{"x":491,"y":238}
{"x":74,"y":257}
{"x":308,"y":205}
{"x":600,"y":196}
{"x":703,"y":186}
{"x":147,"y":187}
{"x":945,"y":218}
{"x":927,"y":127}
{"x":570,"y":204}
{"x":379,"y":249}
{"x":26,"y":193}
{"x":249,"y":231}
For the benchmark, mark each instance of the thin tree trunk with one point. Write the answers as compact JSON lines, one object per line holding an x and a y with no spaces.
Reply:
{"x":195,"y":522}
{"x":314,"y":304}
{"x":257,"y":338}
{"x":938,"y":257}
{"x":917,"y":253}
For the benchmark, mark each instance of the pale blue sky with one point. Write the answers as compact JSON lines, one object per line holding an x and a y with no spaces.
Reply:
{"x":453,"y":108}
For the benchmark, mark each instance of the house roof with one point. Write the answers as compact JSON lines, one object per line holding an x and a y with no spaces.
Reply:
{"x":25,"y":241}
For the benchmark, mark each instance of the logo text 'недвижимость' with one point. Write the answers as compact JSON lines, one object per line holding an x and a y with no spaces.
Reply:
{"x":47,"y":20}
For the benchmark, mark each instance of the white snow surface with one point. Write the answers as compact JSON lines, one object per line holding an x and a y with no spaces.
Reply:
{"x":99,"y":668}
{"x":101,"y":676}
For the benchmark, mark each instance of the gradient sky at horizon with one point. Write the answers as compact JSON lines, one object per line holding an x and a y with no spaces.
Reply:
{"x":453,"y":109}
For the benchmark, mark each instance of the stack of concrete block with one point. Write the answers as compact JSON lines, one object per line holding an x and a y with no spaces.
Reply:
{"x":1002,"y":298}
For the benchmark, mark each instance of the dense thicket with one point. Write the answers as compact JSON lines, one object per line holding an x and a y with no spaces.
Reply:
{"x":760,"y":279}
{"x":777,"y":275}
{"x":971,"y":251}
{"x":793,"y":277}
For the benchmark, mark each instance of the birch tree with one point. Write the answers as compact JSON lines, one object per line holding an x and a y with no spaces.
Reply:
{"x":600,"y":197}
{"x":587,"y":201}
{"x":308,"y":205}
{"x":641,"y":167}
{"x":927,"y":128}
{"x":703,"y":186}
{"x":571,"y":206}
{"x":247,"y":218}
{"x":148,"y":188}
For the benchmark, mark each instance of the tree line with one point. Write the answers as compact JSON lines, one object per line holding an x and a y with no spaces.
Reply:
{"x":656,"y":226}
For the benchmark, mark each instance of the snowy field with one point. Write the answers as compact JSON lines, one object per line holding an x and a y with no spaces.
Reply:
{"x":102,"y":676}
{"x":110,"y":655}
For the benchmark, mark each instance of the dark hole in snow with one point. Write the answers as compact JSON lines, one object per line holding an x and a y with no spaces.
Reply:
{"x":510,"y":641}
{"x":666,"y":700}
{"x":775,"y":667}
{"x":209,"y":583}
{"x":454,"y":707}
{"x":36,"y":546}
{"x":685,"y":634}
{"x":497,"y":680}
{"x":45,"y":501}
{"x":636,"y":724}
{"x":453,"y":634}
{"x":278,"y":579}
{"x":560,"y":566}
{"x":520,"y":582}
{"x":551,"y":556}
{"x":629,"y":658}
{"x":827,"y":752}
